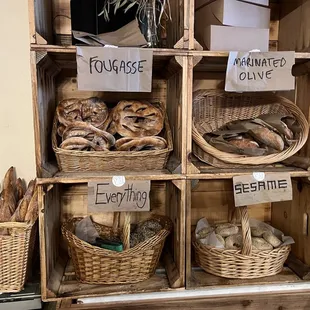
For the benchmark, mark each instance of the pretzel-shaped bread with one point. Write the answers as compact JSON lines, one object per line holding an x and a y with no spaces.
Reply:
{"x":137,"y":119}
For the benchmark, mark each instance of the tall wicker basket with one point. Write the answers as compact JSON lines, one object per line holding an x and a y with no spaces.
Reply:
{"x":16,"y":251}
{"x":241,"y":264}
{"x":214,"y":108}
{"x":94,"y":265}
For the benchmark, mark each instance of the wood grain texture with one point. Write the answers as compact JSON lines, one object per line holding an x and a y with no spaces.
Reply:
{"x":299,"y":301}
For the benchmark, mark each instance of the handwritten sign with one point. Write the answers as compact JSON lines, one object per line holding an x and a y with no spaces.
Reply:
{"x":261,"y":188}
{"x":131,"y":196}
{"x":114,"y":69}
{"x":254,"y":71}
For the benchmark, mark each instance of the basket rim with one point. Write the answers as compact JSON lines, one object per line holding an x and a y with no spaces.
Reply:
{"x":99,"y":154}
{"x":229,"y":252}
{"x":143,"y":246}
{"x":254,"y":160}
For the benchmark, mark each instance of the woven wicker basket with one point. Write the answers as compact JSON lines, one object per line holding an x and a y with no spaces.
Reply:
{"x":94,"y":265}
{"x":241,"y":264}
{"x":214,"y":108}
{"x":16,"y":251}
{"x":73,"y":161}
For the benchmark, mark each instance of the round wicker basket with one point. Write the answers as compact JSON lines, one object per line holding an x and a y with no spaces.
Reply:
{"x":214,"y":108}
{"x":241,"y":264}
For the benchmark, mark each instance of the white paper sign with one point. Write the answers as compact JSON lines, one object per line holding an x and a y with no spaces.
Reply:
{"x":255,"y":71}
{"x":252,"y":189}
{"x":114,"y":69}
{"x":105,"y":196}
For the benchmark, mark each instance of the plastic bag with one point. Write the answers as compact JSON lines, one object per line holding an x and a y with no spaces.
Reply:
{"x":86,"y":231}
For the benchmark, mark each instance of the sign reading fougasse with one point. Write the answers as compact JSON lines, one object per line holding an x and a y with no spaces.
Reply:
{"x":126,"y":196}
{"x":114,"y":69}
{"x":255,"y":71}
{"x":261,"y":188}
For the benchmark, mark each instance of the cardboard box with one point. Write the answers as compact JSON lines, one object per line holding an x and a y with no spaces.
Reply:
{"x":234,"y":13}
{"x":224,"y":38}
{"x":259,"y":2}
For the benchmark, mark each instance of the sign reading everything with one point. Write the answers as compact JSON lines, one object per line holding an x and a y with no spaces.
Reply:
{"x":131,"y":196}
{"x":114,"y":69}
{"x":255,"y":71}
{"x":255,"y":189}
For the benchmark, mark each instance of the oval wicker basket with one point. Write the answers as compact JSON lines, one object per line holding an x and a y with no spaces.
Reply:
{"x":74,"y":161}
{"x":241,"y":264}
{"x":95,"y":265}
{"x":214,"y":108}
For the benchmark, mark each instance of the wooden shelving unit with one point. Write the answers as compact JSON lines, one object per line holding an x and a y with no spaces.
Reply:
{"x":187,"y":189}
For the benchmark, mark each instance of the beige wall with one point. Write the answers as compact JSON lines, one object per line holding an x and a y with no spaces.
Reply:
{"x":16,"y":123}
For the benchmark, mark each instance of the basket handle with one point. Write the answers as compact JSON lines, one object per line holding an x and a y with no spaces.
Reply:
{"x":126,"y":230}
{"x":116,"y":216}
{"x":246,"y":231}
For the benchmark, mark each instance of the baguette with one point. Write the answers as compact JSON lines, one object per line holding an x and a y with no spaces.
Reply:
{"x":9,"y":204}
{"x":8,"y":178}
{"x":20,"y":192}
{"x":33,"y":209}
{"x":20,"y":212}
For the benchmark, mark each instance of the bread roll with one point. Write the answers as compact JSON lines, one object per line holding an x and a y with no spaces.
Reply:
{"x":203,"y":233}
{"x":234,"y":242}
{"x":226,"y":230}
{"x":257,"y":232}
{"x":272,"y":239}
{"x":261,"y":244}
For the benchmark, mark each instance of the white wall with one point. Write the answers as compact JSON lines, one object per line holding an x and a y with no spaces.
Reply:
{"x":16,"y":119}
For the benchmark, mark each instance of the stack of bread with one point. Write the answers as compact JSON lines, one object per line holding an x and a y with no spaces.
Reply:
{"x":266,"y":134}
{"x":18,"y":203}
{"x":88,"y":125}
{"x":230,"y":236}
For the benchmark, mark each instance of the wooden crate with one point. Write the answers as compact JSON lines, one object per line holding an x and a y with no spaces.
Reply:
{"x":54,"y":79}
{"x":214,"y":200}
{"x":50,"y":23}
{"x":209,"y":70}
{"x":62,"y":201}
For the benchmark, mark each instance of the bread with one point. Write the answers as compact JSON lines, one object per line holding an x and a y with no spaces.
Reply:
{"x":233,"y":242}
{"x":267,"y":137}
{"x":68,"y":111}
{"x":94,"y":111}
{"x":272,"y":239}
{"x":204,"y":232}
{"x":19,"y":189}
{"x":220,"y":239}
{"x":244,"y":143}
{"x":137,"y":119}
{"x":100,"y":140}
{"x":261,"y":244}
{"x":226,"y":230}
{"x":33,"y":209}
{"x":9,"y":178}
{"x":257,"y":232}
{"x":20,"y":212}
{"x":140,"y":144}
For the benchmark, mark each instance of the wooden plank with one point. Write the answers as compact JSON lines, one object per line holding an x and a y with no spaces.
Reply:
{"x":175,"y":109}
{"x":201,"y":278}
{"x":83,"y":177}
{"x":188,"y":239}
{"x":31,"y":17}
{"x":36,"y":117}
{"x":71,"y":288}
{"x":43,"y":19}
